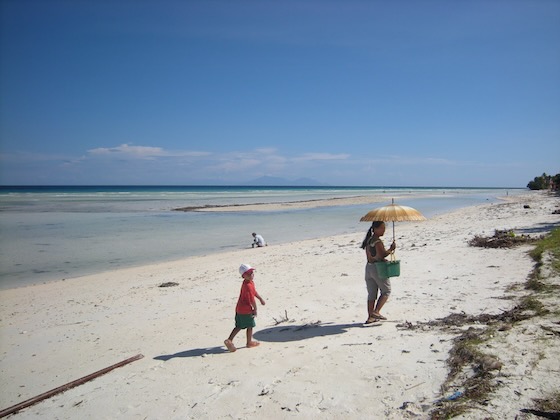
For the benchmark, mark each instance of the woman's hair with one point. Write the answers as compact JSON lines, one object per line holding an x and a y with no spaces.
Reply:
{"x":369,"y":233}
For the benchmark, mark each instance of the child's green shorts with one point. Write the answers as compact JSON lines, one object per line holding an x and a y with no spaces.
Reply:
{"x":244,"y":321}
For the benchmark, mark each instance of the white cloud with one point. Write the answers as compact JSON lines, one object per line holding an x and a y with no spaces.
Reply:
{"x":266,"y":151}
{"x":138,"y":164}
{"x":321,"y":156}
{"x":142,"y":152}
{"x":125,"y":149}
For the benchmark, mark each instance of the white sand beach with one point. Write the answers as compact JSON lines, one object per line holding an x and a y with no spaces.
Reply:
{"x":316,"y":359}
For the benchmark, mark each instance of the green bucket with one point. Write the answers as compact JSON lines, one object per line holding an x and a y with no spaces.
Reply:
{"x":387,"y":269}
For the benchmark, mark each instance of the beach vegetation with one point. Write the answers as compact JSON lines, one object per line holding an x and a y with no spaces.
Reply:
{"x":549,"y":404}
{"x":551,"y":244}
{"x":531,"y":303}
{"x":535,"y":283}
{"x":470,"y":369}
{"x":476,"y":366}
{"x":545,"y":182}
{"x":540,"y":356}
{"x":448,"y":410}
{"x":547,"y":248}
{"x":548,"y":407}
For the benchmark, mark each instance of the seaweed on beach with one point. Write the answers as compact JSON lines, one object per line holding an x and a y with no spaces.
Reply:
{"x":502,"y":239}
{"x":458,"y":320}
{"x":467,"y":352}
{"x":470,"y":369}
{"x":479,"y":384}
{"x":548,"y":407}
{"x":169,"y":284}
{"x":526,"y":308}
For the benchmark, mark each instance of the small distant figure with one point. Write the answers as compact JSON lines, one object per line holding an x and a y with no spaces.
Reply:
{"x":258,"y":240}
{"x":246,"y":309}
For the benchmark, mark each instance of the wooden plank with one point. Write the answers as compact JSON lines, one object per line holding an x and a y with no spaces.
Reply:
{"x":69,"y":385}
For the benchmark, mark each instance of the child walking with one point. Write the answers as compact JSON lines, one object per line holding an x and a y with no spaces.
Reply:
{"x":246,"y":309}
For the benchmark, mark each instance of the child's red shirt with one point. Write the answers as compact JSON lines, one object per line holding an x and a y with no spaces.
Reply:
{"x":246,"y":298}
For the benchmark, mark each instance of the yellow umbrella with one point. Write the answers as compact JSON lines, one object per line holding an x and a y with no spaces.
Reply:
{"x":393,"y":213}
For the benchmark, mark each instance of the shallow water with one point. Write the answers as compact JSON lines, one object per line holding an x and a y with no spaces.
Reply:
{"x":56,"y":234}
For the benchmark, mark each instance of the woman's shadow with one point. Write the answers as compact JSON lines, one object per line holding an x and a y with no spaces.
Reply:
{"x":287,"y":333}
{"x":277,"y":334}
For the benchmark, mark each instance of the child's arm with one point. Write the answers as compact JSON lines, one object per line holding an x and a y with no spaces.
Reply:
{"x":254,"y":306}
{"x":254,"y":303}
{"x":260,"y":298}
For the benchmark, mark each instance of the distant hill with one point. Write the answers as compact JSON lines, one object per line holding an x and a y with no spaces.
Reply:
{"x":271,"y":181}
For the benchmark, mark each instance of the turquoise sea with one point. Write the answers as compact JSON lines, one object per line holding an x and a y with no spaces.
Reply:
{"x":52,"y":233}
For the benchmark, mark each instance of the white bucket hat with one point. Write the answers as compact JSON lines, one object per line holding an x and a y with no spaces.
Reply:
{"x":243,"y":268}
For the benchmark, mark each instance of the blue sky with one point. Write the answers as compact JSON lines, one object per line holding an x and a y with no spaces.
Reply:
{"x":392,"y":93}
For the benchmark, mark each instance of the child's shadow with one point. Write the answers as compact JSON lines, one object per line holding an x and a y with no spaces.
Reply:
{"x":301,"y":332}
{"x":272,"y":334}
{"x":193,"y":353}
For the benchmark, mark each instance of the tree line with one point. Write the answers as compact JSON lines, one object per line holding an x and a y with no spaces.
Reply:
{"x":545,"y":182}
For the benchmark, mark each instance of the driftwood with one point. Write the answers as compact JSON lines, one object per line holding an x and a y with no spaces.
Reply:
{"x":69,"y":385}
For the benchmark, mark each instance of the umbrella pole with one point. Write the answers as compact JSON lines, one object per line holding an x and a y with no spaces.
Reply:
{"x":393,"y":202}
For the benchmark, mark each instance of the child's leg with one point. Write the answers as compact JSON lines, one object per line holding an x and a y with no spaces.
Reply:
{"x":233,"y":333}
{"x":229,"y":341}
{"x":250,"y":342}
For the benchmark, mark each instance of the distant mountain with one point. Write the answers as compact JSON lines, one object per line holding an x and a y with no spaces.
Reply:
{"x":272,"y":181}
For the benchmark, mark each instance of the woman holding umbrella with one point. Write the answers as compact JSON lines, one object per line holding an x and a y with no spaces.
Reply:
{"x":375,"y":251}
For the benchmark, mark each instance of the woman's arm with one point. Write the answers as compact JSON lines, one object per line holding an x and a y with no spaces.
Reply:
{"x":381,"y":251}
{"x":370,"y":258}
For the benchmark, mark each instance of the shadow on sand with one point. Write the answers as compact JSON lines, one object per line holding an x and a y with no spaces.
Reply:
{"x":193,"y":353}
{"x":302,"y":332}
{"x":539,"y":228}
{"x":276,"y":334}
